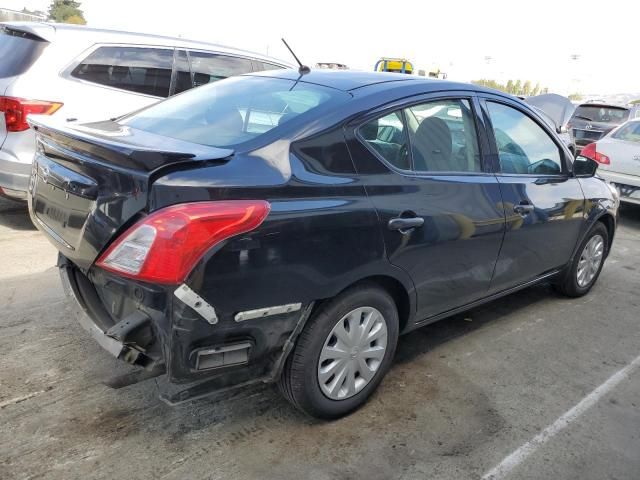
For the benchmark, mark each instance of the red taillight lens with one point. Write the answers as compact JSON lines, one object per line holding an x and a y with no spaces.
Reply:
{"x":16,"y":110}
{"x":165,"y":246}
{"x":590,"y":151}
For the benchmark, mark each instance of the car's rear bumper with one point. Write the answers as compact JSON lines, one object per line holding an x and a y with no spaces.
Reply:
{"x":163,"y":332}
{"x":16,"y":158}
{"x":628,"y":186}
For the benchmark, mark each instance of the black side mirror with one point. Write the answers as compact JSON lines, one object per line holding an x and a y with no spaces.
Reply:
{"x":584,"y":167}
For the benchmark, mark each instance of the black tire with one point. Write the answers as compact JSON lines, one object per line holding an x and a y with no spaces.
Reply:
{"x":568,"y":282}
{"x":299,"y":381}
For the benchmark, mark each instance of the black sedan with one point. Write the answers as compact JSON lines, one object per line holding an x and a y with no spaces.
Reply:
{"x":287,"y":227}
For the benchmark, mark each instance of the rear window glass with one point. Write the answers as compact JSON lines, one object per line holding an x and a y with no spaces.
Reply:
{"x":601,"y":114}
{"x":18,"y":51}
{"x":232,"y":111}
{"x":136,"y":69}
{"x":629,"y":132}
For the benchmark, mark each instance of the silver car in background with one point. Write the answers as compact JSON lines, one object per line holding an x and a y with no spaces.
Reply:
{"x":85,"y":74}
{"x":618,"y":153}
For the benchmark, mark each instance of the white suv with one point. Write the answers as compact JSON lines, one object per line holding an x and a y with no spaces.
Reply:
{"x":85,"y":74}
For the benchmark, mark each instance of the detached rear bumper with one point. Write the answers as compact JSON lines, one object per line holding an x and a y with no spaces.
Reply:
{"x":153,"y":328}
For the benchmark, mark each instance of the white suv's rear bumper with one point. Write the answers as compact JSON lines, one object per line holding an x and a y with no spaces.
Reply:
{"x":16,"y":157}
{"x":628,"y":185}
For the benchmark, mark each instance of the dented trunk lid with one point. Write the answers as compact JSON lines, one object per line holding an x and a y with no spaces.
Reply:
{"x":90,"y":181}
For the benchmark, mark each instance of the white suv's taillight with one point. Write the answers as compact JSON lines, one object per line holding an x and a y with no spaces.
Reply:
{"x":165,"y":246}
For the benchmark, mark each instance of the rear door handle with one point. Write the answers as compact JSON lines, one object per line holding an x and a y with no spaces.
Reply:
{"x":403,"y":225}
{"x":523,"y":208}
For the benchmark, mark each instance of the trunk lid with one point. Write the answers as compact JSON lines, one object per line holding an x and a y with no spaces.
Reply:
{"x":89,"y":181}
{"x":624,"y":155}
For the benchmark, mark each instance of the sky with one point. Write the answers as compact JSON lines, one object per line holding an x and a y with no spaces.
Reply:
{"x":563,"y":44}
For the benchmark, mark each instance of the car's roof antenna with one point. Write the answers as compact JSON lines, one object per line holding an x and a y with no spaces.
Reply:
{"x":303,"y":68}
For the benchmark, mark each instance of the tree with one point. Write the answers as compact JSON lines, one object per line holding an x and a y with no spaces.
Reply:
{"x":635,"y":102}
{"x":66,"y":11}
{"x":509,"y":86}
{"x":536,"y":89}
{"x":545,"y":90}
{"x":575,"y":97}
{"x":517,"y":88}
{"x":526,"y":88}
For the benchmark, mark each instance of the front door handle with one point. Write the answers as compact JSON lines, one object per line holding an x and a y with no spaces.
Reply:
{"x":523,"y":208}
{"x":403,"y":225}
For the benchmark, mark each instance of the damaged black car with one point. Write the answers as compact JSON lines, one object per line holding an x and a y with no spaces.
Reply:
{"x":287,"y":228}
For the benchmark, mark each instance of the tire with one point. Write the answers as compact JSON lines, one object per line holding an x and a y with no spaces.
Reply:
{"x":570,"y":283}
{"x":301,"y":383}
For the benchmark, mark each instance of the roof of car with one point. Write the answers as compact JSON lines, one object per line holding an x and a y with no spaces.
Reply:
{"x":51,"y":31}
{"x":349,"y":80}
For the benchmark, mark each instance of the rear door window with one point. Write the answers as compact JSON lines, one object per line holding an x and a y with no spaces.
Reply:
{"x":210,"y":67}
{"x":18,"y":51}
{"x":388,"y":137}
{"x":431,"y":137}
{"x":262,"y":66}
{"x":523,"y":145}
{"x":135,"y":69}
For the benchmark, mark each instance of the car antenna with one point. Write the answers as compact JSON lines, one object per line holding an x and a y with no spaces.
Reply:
{"x":303,"y":68}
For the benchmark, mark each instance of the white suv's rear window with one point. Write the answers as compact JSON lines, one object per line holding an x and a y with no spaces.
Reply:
{"x":18,"y":51}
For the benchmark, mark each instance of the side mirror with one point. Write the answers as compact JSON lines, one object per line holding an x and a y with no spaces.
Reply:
{"x":562,"y":129}
{"x":584,"y":167}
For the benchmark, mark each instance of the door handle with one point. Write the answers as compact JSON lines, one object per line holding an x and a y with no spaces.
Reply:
{"x":523,"y":208}
{"x":403,"y":225}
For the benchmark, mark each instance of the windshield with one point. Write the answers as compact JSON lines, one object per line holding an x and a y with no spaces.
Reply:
{"x":232,"y":111}
{"x":602,"y":114}
{"x":18,"y":51}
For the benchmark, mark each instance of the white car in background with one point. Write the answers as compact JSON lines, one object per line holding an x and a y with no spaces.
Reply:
{"x":84,"y":74}
{"x":618,"y":154}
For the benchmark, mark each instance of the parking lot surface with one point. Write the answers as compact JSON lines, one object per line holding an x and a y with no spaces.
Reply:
{"x":533,"y":386}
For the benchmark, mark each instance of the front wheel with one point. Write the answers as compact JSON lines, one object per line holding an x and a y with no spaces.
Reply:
{"x":342,"y":354}
{"x":585,"y":268}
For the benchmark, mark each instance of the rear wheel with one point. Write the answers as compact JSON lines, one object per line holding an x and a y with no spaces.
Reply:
{"x":585,"y":268}
{"x":342,"y":354}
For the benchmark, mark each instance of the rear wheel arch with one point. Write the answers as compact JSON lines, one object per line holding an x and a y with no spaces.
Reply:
{"x":394,"y":287}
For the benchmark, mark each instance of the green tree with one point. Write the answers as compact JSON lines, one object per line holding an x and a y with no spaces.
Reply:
{"x":536,"y":89}
{"x":635,"y":102}
{"x":66,"y":11}
{"x":509,"y":87}
{"x":526,"y":88}
{"x":517,"y":88}
{"x":575,"y":96}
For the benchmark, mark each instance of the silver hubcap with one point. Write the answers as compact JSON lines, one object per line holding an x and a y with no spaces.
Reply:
{"x":352,"y":353}
{"x":590,"y":260}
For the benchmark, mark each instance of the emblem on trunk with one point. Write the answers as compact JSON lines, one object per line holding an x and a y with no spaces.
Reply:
{"x":588,"y":126}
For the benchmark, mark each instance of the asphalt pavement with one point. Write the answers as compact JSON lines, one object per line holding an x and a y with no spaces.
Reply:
{"x":532,"y":386}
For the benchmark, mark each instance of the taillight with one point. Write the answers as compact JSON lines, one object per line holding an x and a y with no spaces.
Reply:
{"x":16,"y":110}
{"x":590,"y":152}
{"x":165,"y":246}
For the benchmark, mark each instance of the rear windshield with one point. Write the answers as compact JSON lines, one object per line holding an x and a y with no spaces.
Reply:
{"x":232,"y":111}
{"x":18,"y":51}
{"x":629,"y":132}
{"x":602,"y":114}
